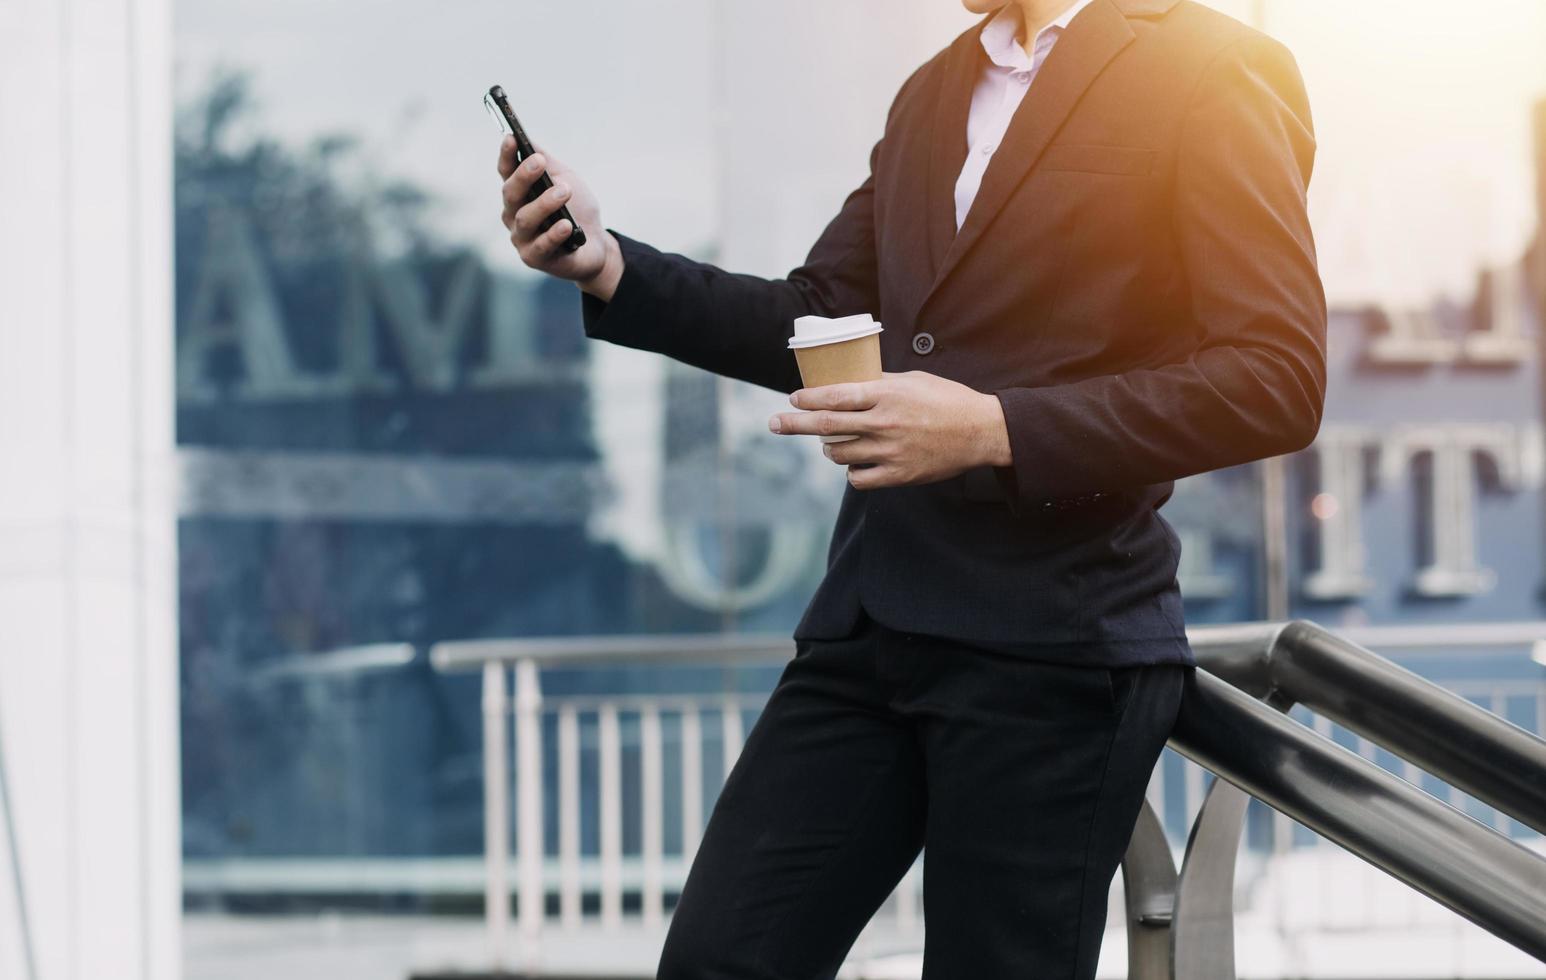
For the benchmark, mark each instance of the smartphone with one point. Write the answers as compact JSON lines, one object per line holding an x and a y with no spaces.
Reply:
{"x":498,"y":105}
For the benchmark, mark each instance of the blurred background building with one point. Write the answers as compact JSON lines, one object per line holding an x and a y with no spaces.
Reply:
{"x":281,"y":412}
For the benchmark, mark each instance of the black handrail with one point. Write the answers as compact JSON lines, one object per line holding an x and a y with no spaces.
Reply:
{"x":1233,"y":721}
{"x":1465,"y":745}
{"x":1449,"y":856}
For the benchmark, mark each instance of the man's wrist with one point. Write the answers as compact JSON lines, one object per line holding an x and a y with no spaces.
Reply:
{"x":995,"y":446}
{"x":603,"y":285}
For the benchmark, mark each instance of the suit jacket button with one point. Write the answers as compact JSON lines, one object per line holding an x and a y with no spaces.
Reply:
{"x":923,"y":343}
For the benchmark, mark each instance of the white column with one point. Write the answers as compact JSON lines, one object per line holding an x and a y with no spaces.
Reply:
{"x":1339,"y":513}
{"x":88,"y":666}
{"x":1454,"y":568}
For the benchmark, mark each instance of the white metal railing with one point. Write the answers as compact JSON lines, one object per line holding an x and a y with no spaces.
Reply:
{"x":655,"y":874}
{"x":498,"y":661}
{"x":512,"y":690}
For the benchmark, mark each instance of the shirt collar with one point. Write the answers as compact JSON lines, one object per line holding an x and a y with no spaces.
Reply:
{"x":998,"y":37}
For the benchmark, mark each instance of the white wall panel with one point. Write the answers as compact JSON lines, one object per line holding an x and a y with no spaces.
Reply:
{"x":88,"y":699}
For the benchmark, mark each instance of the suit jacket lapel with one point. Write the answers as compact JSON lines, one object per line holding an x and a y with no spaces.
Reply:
{"x":1096,"y":36}
{"x":947,"y":153}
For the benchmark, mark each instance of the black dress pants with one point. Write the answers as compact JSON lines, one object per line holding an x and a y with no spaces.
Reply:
{"x":1021,"y":781}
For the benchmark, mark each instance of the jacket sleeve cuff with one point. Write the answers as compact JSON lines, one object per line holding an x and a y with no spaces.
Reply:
{"x":1016,"y":491}
{"x":1028,"y":484}
{"x":631,"y":303}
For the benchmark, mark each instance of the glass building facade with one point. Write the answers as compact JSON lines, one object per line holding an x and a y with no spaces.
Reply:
{"x":390,"y":435}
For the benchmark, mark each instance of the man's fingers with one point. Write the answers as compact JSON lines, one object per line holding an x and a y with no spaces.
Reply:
{"x":545,"y":245}
{"x":857,"y":396}
{"x":862,"y":450}
{"x":507,"y":156}
{"x":530,"y":217}
{"x":518,"y":184}
{"x":872,"y":477}
{"x":819,"y":423}
{"x":555,"y":166}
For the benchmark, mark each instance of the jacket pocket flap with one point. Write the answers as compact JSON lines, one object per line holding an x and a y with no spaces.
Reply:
{"x":1096,"y":159}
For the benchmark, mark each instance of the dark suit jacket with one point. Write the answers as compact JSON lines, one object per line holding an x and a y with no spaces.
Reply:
{"x":1136,"y":282}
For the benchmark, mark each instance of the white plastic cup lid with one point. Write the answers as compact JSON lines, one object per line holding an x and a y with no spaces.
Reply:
{"x":818,"y":331}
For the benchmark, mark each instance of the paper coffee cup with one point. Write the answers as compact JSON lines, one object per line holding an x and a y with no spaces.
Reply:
{"x":836,"y":351}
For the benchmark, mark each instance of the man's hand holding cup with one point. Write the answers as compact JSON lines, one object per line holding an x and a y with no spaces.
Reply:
{"x":888,"y":429}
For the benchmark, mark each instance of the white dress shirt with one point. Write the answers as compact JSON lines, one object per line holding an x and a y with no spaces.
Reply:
{"x":1004,"y":82}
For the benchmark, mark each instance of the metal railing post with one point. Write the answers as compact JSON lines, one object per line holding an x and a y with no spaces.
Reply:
{"x":1149,"y":889}
{"x":610,"y":799}
{"x":496,"y":815}
{"x":569,"y":899}
{"x":653,"y":804}
{"x":1202,"y":939}
{"x":692,"y":778}
{"x":528,"y":802}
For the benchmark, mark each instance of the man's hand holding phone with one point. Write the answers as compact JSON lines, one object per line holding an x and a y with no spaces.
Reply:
{"x":595,"y":266}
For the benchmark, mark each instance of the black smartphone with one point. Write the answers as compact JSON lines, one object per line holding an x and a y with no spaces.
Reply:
{"x":498,"y":105}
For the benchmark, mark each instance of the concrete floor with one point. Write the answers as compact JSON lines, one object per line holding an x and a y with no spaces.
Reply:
{"x":1311,"y":914}
{"x":338,"y":947}
{"x":351,"y":947}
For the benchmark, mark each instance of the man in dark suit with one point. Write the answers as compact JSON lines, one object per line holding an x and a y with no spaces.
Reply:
{"x":1085,"y":233}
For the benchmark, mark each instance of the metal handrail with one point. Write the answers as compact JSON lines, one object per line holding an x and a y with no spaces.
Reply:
{"x":1421,"y":840}
{"x":1463,"y":744}
{"x":1232,"y":721}
{"x":590,"y":651}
